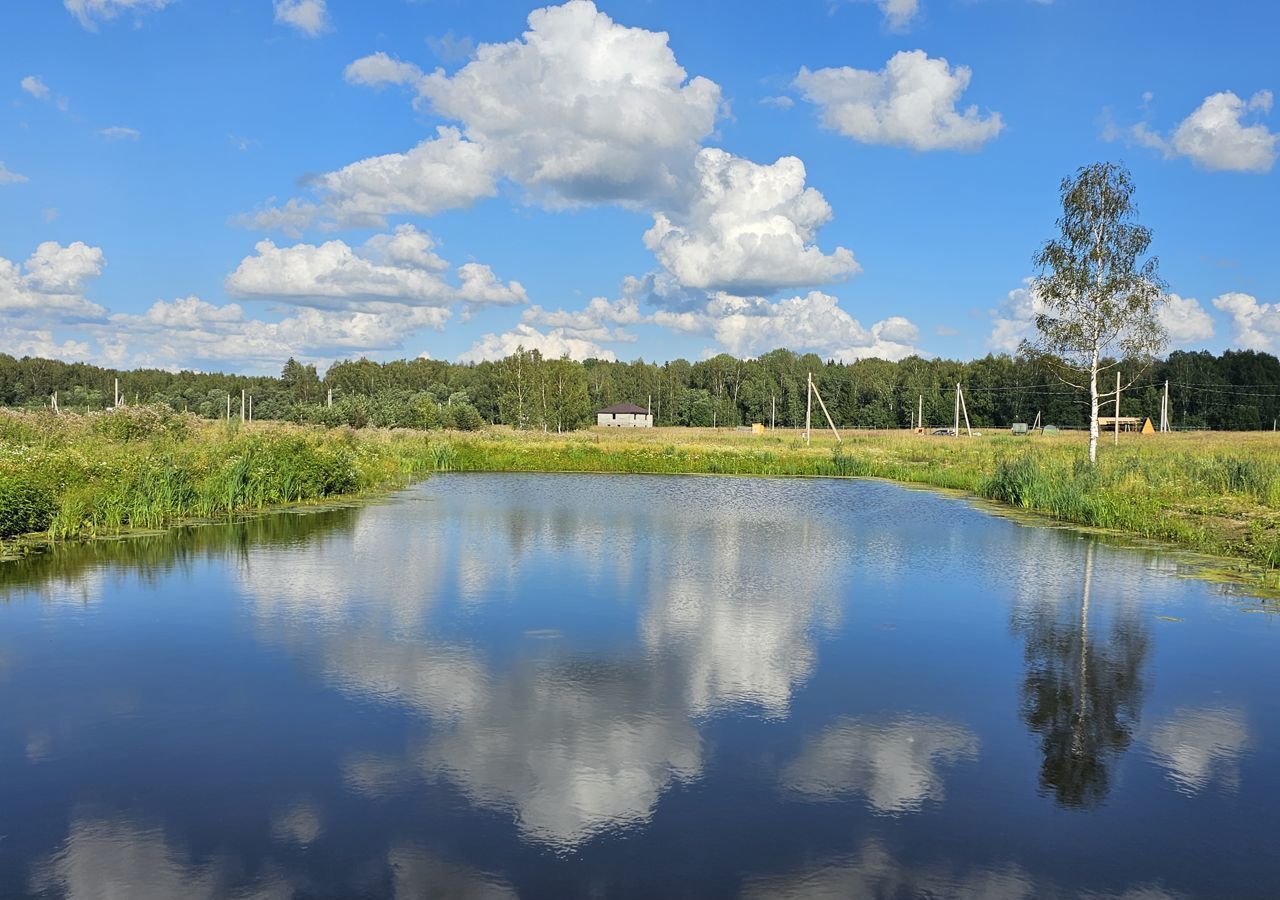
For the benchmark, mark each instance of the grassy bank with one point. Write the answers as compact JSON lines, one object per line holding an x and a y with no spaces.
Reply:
{"x":74,"y":476}
{"x":1215,"y":493}
{"x":71,"y":476}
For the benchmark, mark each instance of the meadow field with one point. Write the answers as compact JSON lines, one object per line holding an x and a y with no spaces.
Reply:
{"x":63,"y":477}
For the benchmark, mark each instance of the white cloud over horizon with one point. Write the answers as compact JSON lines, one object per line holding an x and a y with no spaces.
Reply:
{"x":741,"y":326}
{"x":1185,"y":320}
{"x":1257,"y":325}
{"x":400,"y":267}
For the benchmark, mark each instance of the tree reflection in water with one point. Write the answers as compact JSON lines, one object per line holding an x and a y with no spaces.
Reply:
{"x":1082,"y":694}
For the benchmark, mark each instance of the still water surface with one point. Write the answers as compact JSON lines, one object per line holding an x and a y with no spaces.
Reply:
{"x":556,"y":686}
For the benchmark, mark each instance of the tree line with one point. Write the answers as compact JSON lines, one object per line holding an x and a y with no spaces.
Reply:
{"x":1237,"y":390}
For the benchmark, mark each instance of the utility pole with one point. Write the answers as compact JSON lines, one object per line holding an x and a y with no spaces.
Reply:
{"x":251,"y":407}
{"x":957,"y":431}
{"x":241,"y":404}
{"x":1164,"y":408}
{"x":116,"y":402}
{"x":834,"y":430}
{"x":330,"y":403}
{"x":228,"y":406}
{"x":1117,"y":440}
{"x":808,"y":409}
{"x":920,"y":413}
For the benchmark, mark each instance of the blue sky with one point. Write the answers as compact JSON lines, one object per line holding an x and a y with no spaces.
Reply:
{"x":638,"y":179}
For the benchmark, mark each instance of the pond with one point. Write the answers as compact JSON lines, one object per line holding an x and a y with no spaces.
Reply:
{"x":564,"y":685}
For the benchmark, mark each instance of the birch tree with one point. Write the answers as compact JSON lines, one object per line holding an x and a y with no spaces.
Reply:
{"x":1097,"y":298}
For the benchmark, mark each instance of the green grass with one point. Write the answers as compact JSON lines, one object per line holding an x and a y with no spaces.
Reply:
{"x":72,"y":476}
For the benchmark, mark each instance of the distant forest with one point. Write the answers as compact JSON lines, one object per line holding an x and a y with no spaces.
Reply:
{"x":1239,"y":390}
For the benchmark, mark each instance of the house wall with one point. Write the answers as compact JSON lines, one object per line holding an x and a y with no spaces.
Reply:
{"x":624,"y":420}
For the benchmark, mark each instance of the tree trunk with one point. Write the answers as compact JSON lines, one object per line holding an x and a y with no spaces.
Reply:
{"x":1093,"y":411}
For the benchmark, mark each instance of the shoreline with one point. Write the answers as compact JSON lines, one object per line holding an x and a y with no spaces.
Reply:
{"x":1215,"y":496}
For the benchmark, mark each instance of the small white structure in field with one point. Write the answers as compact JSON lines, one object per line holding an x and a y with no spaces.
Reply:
{"x":624,"y":415}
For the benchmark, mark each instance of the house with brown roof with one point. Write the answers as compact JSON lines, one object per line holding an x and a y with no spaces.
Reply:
{"x":624,"y":415}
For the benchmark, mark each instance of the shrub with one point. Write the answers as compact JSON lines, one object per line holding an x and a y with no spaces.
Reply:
{"x":25,"y":506}
{"x":133,"y":423}
{"x":463,"y":417}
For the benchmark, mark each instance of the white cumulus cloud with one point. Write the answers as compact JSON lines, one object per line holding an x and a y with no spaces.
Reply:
{"x":445,"y":172}
{"x":579,"y":110}
{"x":1257,"y":325}
{"x":579,"y":334}
{"x":378,"y":69}
{"x":51,"y":284}
{"x":749,"y":228}
{"x":397,"y":268}
{"x":748,"y":326}
{"x":1215,"y":136}
{"x":311,"y":17}
{"x":911,"y":102}
{"x":45,"y":292}
{"x":1185,"y":320}
{"x":552,"y":343}
{"x":1015,"y":319}
{"x":189,"y":331}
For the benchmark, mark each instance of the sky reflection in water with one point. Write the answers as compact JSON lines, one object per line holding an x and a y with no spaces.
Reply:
{"x":507,"y":685}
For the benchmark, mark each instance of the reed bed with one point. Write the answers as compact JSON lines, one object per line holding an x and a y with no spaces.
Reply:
{"x":71,"y":476}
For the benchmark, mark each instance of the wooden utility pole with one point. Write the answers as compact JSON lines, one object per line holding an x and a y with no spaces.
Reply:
{"x":808,"y":409}
{"x":1117,"y":440}
{"x":957,"y":432}
{"x":834,"y":430}
{"x":1164,"y":408}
